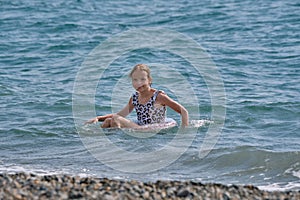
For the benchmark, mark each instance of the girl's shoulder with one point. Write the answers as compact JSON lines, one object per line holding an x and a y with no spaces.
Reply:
{"x":158,"y":93}
{"x":161,"y":96}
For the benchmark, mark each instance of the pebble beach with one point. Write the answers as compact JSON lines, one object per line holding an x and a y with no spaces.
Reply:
{"x":31,"y":186}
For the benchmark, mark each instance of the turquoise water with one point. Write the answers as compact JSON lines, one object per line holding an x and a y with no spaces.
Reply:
{"x":255,"y":46}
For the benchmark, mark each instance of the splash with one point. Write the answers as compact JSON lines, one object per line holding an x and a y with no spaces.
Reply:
{"x":200,"y":123}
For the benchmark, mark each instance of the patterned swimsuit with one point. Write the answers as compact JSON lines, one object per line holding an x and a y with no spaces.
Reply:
{"x":148,"y":113}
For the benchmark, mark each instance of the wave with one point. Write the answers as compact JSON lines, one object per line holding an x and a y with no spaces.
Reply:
{"x":246,"y":165}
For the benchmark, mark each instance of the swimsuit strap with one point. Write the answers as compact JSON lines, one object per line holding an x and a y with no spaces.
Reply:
{"x":156,"y":94}
{"x":152,"y":99}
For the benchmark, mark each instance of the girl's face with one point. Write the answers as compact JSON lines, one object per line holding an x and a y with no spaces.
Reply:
{"x":140,"y":80}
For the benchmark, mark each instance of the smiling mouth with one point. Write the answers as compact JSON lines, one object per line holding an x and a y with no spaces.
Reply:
{"x":140,"y":87}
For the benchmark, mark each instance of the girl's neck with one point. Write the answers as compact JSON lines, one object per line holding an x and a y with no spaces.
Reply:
{"x":147,"y":93}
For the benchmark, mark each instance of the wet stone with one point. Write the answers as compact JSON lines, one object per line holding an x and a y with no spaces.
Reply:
{"x":183,"y":193}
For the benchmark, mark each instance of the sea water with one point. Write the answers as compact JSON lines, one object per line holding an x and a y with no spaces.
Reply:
{"x":255,"y":47}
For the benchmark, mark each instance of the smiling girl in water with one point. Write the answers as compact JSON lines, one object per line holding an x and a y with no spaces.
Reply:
{"x":149,"y":103}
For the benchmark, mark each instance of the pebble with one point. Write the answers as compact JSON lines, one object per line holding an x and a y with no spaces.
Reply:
{"x":30,"y":186}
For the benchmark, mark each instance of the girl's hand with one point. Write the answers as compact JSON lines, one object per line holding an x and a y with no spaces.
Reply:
{"x":92,"y":121}
{"x":184,"y":125}
{"x":98,"y":119}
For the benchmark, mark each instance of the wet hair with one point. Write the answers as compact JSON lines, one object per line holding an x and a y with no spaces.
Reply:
{"x":141,"y":67}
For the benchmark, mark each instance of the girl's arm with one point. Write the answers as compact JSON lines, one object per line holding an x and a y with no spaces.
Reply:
{"x":127,"y":109}
{"x":124,"y":112}
{"x":162,"y":98}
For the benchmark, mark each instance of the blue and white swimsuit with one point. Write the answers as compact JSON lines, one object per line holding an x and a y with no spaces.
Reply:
{"x":148,"y":113}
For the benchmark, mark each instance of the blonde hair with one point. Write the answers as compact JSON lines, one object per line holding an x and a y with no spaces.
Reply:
{"x":141,"y":67}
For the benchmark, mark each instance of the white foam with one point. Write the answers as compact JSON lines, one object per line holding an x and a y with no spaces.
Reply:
{"x":12,"y":169}
{"x":280,"y":187}
{"x":199,"y":123}
{"x":296,"y":174}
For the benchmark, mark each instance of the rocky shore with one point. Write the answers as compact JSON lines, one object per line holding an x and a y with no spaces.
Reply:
{"x":30,"y":186}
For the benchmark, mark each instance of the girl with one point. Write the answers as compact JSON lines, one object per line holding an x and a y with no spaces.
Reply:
{"x":149,"y":103}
